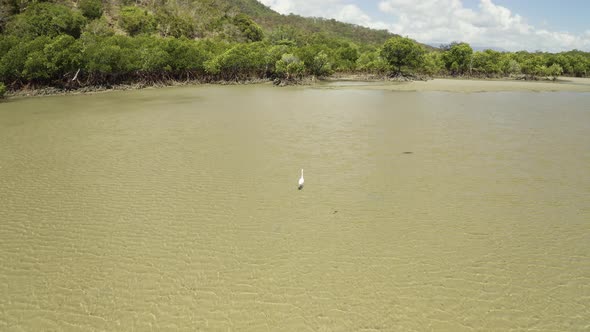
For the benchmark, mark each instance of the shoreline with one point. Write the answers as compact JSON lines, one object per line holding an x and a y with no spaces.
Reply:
{"x":93,"y":89}
{"x":464,"y":84}
{"x":374,"y":82}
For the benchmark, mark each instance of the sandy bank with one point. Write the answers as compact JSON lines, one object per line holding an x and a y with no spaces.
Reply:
{"x":365,"y":82}
{"x":472,"y":85}
{"x":92,"y":89}
{"x":54,"y":91}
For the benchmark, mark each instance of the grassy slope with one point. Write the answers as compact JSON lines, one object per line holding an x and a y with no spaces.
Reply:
{"x":269,"y":19}
{"x":207,"y":12}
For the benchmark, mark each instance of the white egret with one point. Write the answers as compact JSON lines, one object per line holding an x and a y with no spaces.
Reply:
{"x":301,"y":181}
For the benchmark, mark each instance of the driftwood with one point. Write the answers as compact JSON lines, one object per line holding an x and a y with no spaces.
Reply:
{"x":76,"y":76}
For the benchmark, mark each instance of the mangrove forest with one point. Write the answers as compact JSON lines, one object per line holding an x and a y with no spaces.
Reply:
{"x":74,"y":44}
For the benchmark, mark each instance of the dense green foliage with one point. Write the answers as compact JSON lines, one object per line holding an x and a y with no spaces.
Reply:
{"x":91,"y":8}
{"x":251,"y":31}
{"x":457,"y":58}
{"x":135,"y":20}
{"x":46,"y":43}
{"x":433,"y":64}
{"x":289,"y":66}
{"x":402,"y":52}
{"x":175,"y":25}
{"x":46,"y":19}
{"x":2,"y":90}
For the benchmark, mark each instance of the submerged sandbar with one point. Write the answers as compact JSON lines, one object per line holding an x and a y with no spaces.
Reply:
{"x":572,"y":84}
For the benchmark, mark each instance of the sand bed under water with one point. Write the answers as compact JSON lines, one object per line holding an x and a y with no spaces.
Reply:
{"x":178,"y":209}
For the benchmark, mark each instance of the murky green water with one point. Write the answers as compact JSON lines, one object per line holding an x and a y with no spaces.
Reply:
{"x":177,"y":209}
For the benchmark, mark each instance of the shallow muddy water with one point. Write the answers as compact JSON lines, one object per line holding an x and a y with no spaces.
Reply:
{"x":178,"y":209}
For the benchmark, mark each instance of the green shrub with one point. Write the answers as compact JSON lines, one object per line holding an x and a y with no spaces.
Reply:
{"x":457,"y":58}
{"x":554,"y":70}
{"x":63,"y":55}
{"x":433,"y":63}
{"x":186,"y":54}
{"x":402,"y":52}
{"x":91,"y":8}
{"x":112,"y":55}
{"x":289,"y":67}
{"x":372,"y":62}
{"x":321,"y":65}
{"x":46,"y":19}
{"x":99,"y":27}
{"x":318,"y":58}
{"x":175,"y":25}
{"x":512,"y":67}
{"x":13,"y":63}
{"x":2,"y":90}
{"x":152,"y":55}
{"x":241,"y":61}
{"x":274,"y":54}
{"x":41,"y":59}
{"x":251,"y":31}
{"x":347,"y":56}
{"x":136,"y":21}
{"x":212,"y":66}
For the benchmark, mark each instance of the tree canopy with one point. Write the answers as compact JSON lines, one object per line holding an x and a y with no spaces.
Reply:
{"x":402,"y":52}
{"x":46,"y":19}
{"x":457,"y":58}
{"x":91,"y":42}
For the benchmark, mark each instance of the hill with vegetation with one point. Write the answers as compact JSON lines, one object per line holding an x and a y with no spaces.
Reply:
{"x":73,"y":44}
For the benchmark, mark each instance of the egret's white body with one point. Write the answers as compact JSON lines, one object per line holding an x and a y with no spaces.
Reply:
{"x":301,"y":181}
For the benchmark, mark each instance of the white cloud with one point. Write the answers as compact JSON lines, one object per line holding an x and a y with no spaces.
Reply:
{"x":489,"y":25}
{"x":434,"y":21}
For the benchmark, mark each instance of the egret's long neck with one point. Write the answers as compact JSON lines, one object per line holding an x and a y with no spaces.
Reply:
{"x":302,"y":172}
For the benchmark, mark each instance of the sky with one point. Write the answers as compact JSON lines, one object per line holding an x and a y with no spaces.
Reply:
{"x":545,"y":25}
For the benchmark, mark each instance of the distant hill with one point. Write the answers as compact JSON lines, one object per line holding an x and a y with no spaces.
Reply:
{"x":269,"y":19}
{"x":210,"y":15}
{"x":210,"y":18}
{"x":474,"y":47}
{"x":483,"y":48}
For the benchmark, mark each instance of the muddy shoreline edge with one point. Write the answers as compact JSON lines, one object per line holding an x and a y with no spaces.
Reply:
{"x":444,"y":84}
